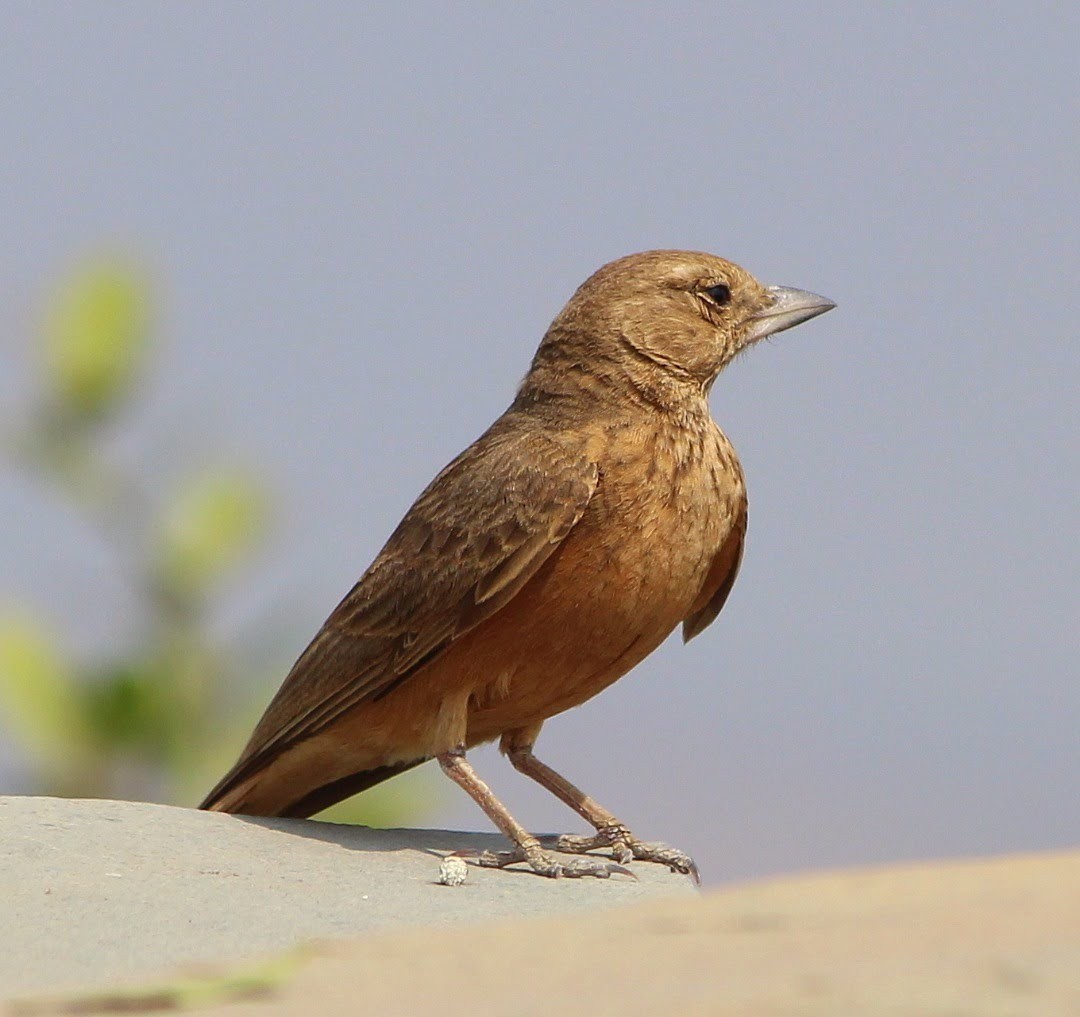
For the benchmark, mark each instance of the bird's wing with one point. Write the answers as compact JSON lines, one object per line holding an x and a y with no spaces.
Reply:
{"x":718,"y":582}
{"x":482,"y":528}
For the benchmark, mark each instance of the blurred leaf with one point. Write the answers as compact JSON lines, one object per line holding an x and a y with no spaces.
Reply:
{"x":158,"y":720}
{"x":209,"y":527}
{"x":96,"y":331}
{"x":39,"y":692}
{"x":127,"y":708}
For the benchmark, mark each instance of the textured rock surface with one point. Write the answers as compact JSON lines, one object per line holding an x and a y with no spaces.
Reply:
{"x":98,"y":891}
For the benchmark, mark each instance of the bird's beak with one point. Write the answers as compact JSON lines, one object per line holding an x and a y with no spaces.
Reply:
{"x":789,"y":308}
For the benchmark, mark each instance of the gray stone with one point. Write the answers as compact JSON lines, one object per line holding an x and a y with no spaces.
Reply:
{"x":98,"y":891}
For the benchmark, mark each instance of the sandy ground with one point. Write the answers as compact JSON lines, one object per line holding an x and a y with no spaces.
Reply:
{"x":978,"y":938}
{"x":994,"y":938}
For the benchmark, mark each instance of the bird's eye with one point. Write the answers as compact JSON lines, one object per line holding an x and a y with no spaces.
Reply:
{"x":719,"y":294}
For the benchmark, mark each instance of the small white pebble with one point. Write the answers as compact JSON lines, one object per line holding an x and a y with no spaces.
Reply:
{"x":453,"y":871}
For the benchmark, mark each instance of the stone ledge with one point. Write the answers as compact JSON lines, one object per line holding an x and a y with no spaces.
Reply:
{"x":97,"y":892}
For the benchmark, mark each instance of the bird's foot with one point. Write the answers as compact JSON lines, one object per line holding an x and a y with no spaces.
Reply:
{"x":625,"y":847}
{"x":545,"y":864}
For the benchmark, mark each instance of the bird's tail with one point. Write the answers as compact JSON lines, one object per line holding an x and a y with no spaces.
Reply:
{"x":253,"y":796}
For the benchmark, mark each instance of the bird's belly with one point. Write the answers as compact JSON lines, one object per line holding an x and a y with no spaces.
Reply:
{"x":603,"y":602}
{"x":624,"y":577}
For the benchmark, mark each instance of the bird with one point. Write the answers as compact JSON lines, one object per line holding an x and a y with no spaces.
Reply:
{"x":603,"y":509}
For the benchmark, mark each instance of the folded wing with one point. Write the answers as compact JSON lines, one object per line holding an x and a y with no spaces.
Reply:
{"x":474,"y":537}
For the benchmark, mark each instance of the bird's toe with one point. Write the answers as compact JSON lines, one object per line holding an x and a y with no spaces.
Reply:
{"x":625,"y":847}
{"x":673,"y":858}
{"x":544,"y":863}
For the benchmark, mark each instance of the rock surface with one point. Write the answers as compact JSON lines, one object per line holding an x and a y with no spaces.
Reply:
{"x":110,"y":888}
{"x":98,"y":891}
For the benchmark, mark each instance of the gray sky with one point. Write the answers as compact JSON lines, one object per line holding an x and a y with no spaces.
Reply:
{"x":362,"y":222}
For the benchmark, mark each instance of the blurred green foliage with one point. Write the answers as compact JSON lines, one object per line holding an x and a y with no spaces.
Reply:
{"x":96,"y":333}
{"x":166,"y":714}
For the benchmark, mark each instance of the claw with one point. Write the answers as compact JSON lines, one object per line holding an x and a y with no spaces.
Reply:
{"x":673,"y":858}
{"x":621,"y":870}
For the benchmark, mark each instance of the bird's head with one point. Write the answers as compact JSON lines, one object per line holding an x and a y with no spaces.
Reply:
{"x":669,"y":319}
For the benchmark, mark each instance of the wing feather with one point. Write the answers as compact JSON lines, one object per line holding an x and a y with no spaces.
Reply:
{"x":472,"y":539}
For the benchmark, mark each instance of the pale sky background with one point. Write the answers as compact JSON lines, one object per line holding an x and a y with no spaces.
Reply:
{"x":361,"y":223}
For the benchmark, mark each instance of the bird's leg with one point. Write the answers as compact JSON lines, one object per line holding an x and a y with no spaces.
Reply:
{"x":610,"y":832}
{"x":527,"y":847}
